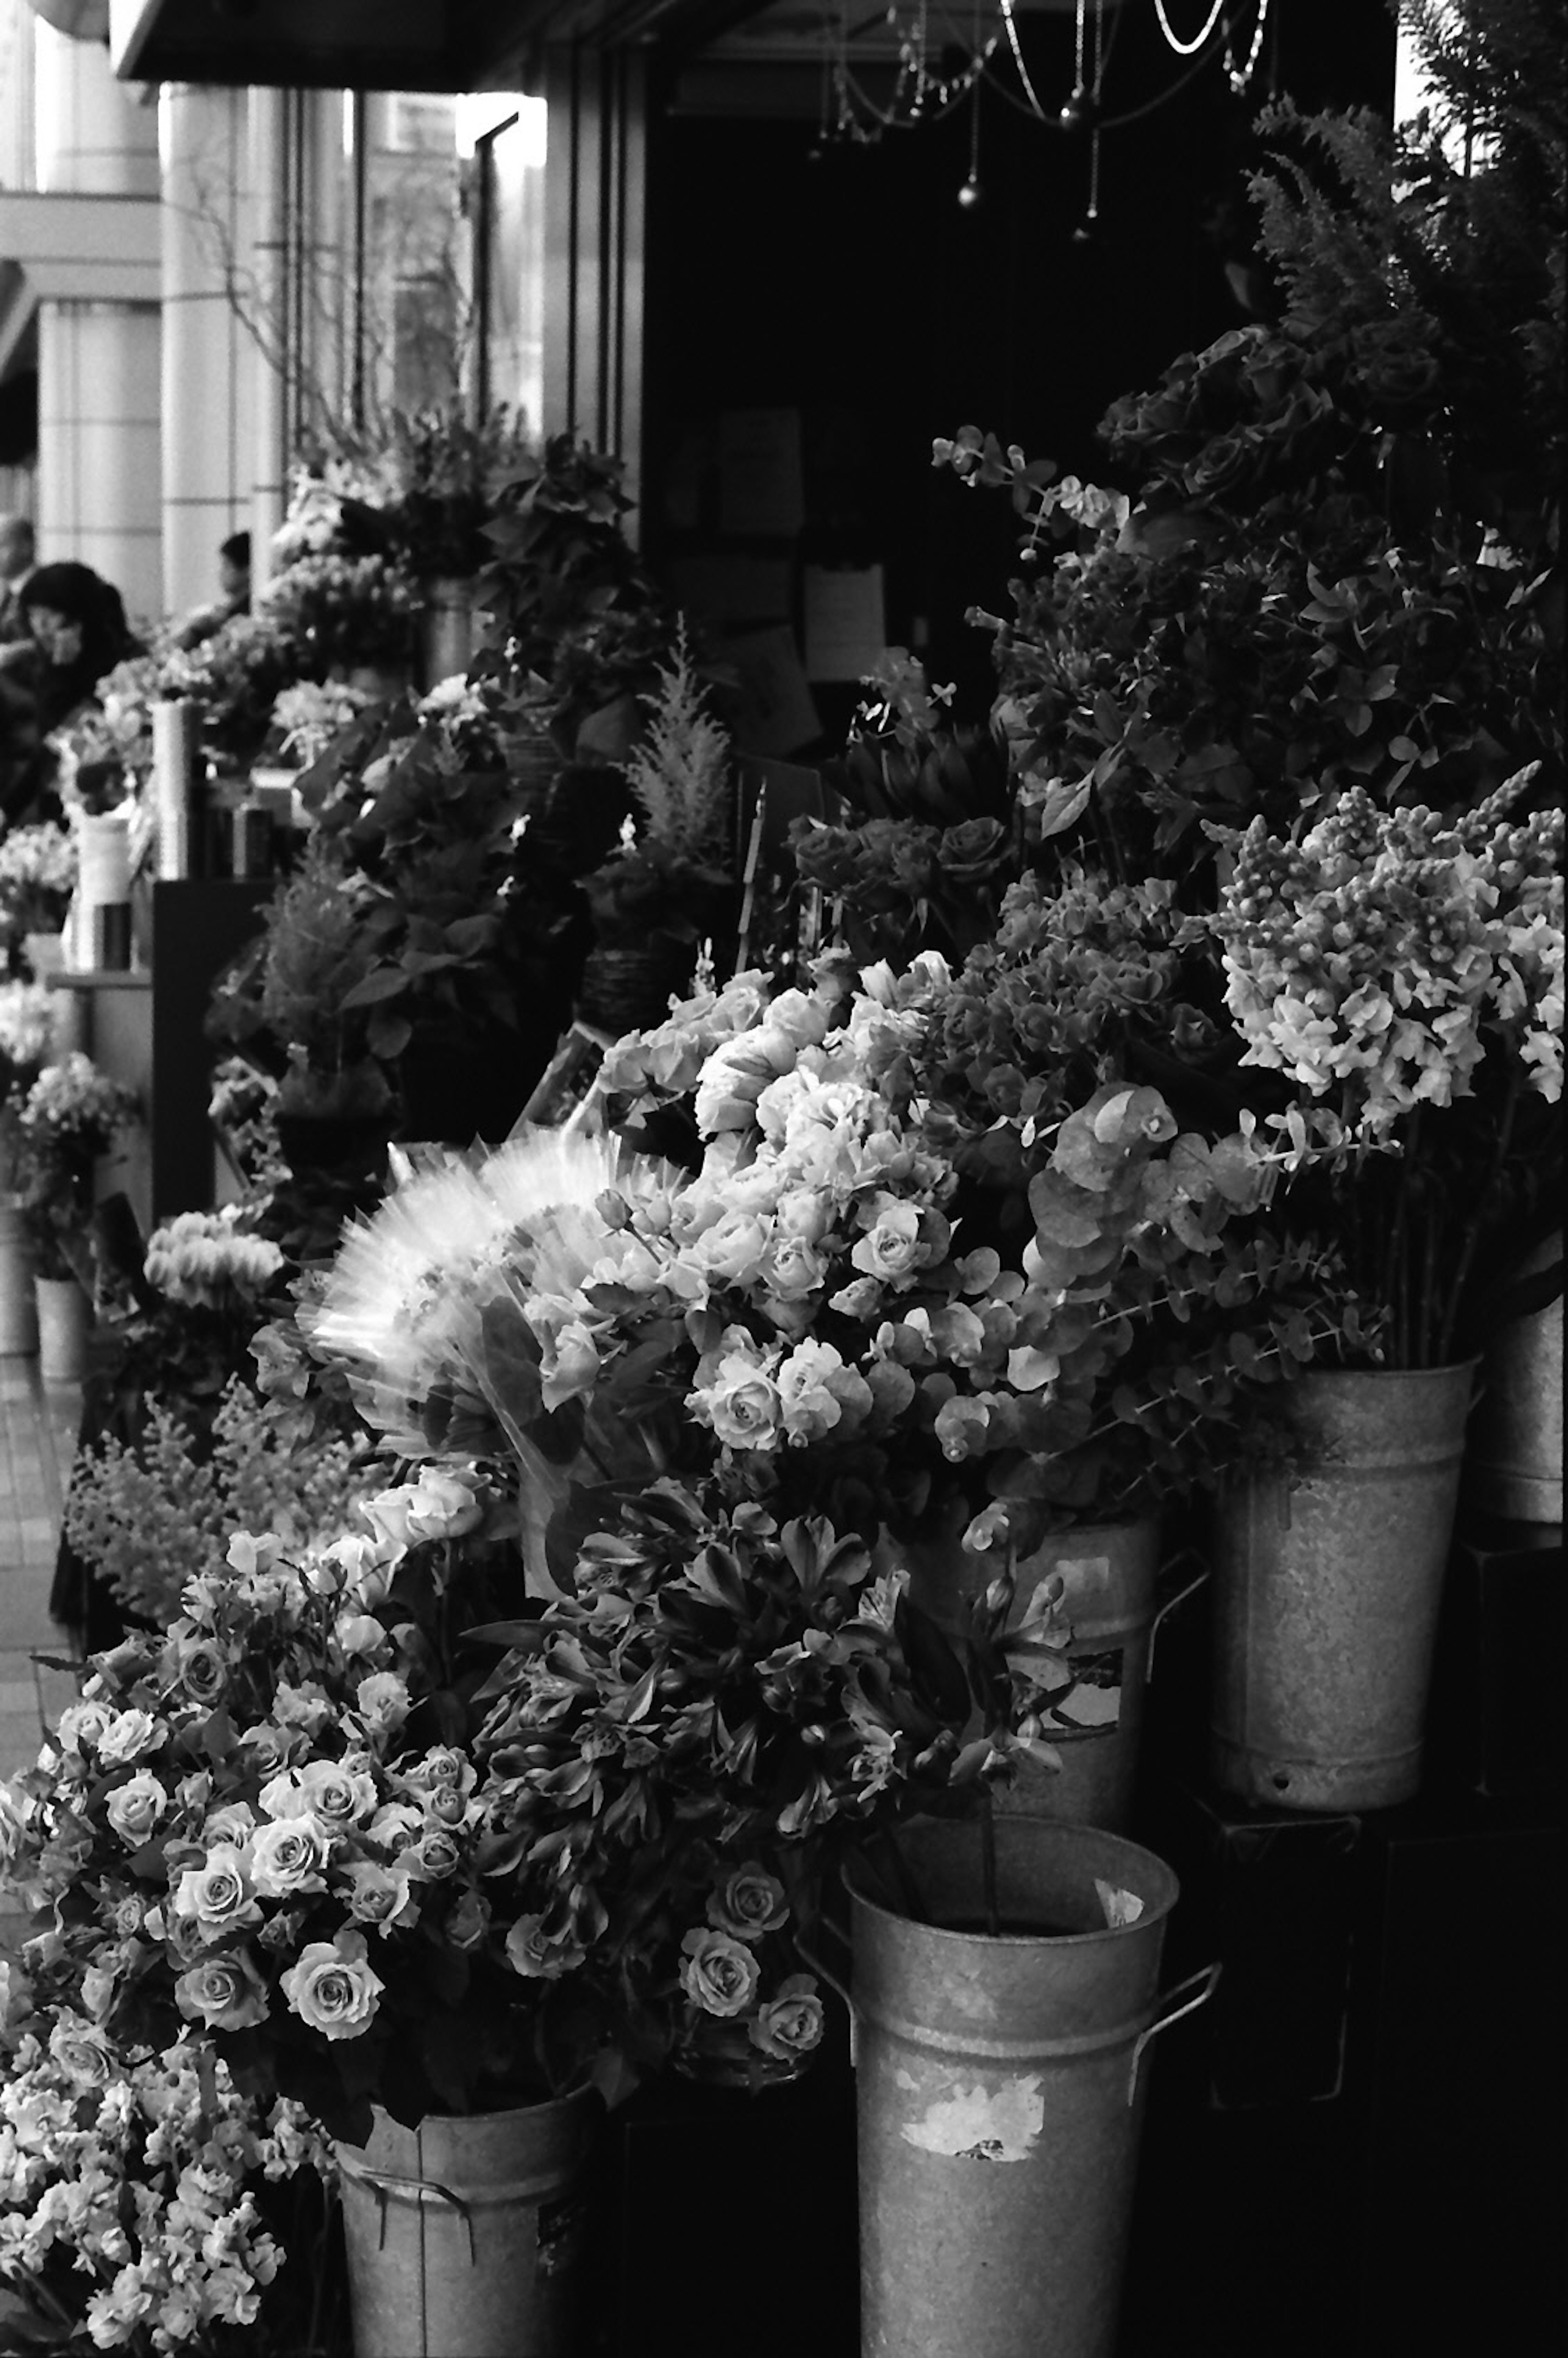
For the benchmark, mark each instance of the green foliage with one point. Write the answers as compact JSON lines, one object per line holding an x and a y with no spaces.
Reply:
{"x":678,"y":770}
{"x":151,"y":1514}
{"x":1341,"y":569}
{"x":571,"y":610}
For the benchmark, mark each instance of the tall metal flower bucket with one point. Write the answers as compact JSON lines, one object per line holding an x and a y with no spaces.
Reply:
{"x":1000,"y":2085}
{"x":464,"y":2235}
{"x":65,"y":1328}
{"x":18,"y":1301}
{"x":1108,"y":1574}
{"x":1327,"y":1581}
{"x":450,"y":629}
{"x":1514,"y":1458}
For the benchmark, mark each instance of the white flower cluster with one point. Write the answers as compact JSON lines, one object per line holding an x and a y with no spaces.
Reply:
{"x":138,"y":2171}
{"x":72,"y":1097}
{"x":26,"y":1021}
{"x":314,"y":523}
{"x":36,"y":859}
{"x":205,"y":1260}
{"x":456,"y":702}
{"x":1389,"y":953}
{"x":309,"y":715}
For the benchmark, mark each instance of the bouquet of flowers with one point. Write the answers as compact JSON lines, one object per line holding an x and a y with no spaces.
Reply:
{"x":139,"y":2194}
{"x":70,"y":1115}
{"x":235,"y":676}
{"x":264,"y":1823}
{"x":723,"y":1702}
{"x":341,"y":609}
{"x":26,"y":1040}
{"x":1405,"y":973}
{"x":309,"y":715}
{"x":37,"y":877}
{"x":110,"y":745}
{"x":806,"y":1306}
{"x":27,"y":1032}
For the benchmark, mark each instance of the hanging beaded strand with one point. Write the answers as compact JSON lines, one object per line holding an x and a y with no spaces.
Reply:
{"x":1090,"y":223}
{"x":969,"y":194}
{"x":1240,"y":76}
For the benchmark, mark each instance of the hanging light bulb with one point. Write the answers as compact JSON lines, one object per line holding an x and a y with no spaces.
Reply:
{"x":1079,"y":109}
{"x":969,"y":194}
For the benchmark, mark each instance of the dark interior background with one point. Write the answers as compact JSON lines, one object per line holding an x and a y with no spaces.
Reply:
{"x":846,"y":281}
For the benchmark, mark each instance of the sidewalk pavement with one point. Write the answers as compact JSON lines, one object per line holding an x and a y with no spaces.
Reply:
{"x":38,"y":1434}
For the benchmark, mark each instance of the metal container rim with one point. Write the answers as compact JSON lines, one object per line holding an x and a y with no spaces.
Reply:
{"x":1155,"y":1912}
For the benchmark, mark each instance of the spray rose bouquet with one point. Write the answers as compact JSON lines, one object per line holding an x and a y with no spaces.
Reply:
{"x":266,"y":1823}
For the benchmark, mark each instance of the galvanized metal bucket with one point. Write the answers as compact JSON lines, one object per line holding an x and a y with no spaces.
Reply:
{"x":18,"y":1299}
{"x":1000,"y":2092}
{"x":65,"y":1328}
{"x":1327,"y":1581}
{"x":1514,"y":1460}
{"x":1108,"y":1571}
{"x":464,"y":2235}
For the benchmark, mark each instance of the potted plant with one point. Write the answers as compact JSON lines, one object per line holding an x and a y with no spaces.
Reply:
{"x":575,"y":622}
{"x":340,"y":597}
{"x":37,"y":877}
{"x":27,"y":1038}
{"x":267,"y":1825}
{"x":70,"y":1117}
{"x":234,"y":676}
{"x":925,"y":842}
{"x":669,"y":884}
{"x":282,"y":1003}
{"x":467,"y":931}
{"x":1403,"y":975}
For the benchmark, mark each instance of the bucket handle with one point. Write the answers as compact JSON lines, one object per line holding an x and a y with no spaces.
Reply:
{"x":819,"y":1966}
{"x":1209,"y":1977}
{"x":385,"y":2184}
{"x":1171,"y":1604}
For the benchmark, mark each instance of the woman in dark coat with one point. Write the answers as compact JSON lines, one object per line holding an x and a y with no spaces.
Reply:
{"x":79,"y":622}
{"x":79,"y":632}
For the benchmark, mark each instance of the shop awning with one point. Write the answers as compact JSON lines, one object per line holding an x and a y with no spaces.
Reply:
{"x":384,"y":44}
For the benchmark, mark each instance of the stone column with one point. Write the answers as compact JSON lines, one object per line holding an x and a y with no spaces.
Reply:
{"x":210,"y":359}
{"x":98,"y":360}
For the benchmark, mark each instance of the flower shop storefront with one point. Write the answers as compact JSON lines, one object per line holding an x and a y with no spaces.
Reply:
{"x":824,"y":1612}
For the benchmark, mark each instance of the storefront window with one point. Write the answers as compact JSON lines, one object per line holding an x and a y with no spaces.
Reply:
{"x":509,"y":185}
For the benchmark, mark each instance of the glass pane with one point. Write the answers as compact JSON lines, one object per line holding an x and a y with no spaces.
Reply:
{"x":512,"y":328}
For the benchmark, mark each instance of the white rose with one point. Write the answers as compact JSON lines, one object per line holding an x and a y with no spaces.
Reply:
{"x":735,"y":1392}
{"x":127,"y":1736}
{"x":134,"y":1808}
{"x":438,"y":1505}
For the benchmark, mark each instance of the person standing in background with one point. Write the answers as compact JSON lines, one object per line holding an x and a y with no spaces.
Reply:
{"x":234,"y":593}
